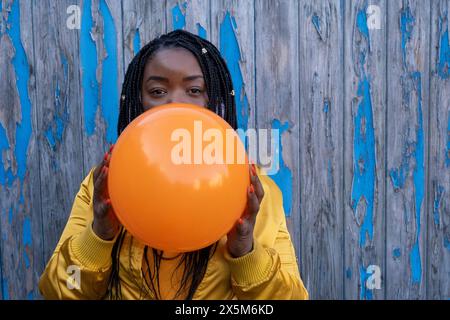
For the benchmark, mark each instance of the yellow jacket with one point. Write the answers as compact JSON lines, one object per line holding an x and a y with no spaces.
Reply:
{"x":269,"y":271}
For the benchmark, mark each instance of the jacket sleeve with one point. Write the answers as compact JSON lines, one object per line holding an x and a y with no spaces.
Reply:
{"x":80,"y":265}
{"x":270,"y":270}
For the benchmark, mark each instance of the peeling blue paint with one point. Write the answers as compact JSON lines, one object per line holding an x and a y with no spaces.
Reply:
{"x":447,"y":152}
{"x":5,"y":287}
{"x":361,"y":24}
{"x":178,"y":18}
{"x":283,"y":178}
{"x":326,"y":106}
{"x":437,"y":202}
{"x":110,"y":94}
{"x":6,"y":176}
{"x":365,"y":293}
{"x":443,"y":66}
{"x":316,"y":23}
{"x":229,"y":49}
{"x":26,"y":240}
{"x":88,"y":54}
{"x":136,"y":42}
{"x":348,"y":273}
{"x":21,"y":68}
{"x":396,"y":253}
{"x":364,"y":156}
{"x":413,"y":81}
{"x":406,"y":27}
{"x":446,"y":243}
{"x":201,"y":31}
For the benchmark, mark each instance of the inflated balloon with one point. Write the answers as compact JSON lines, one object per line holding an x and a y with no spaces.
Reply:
{"x":178,"y":177}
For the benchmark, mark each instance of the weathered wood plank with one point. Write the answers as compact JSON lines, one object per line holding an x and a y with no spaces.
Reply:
{"x":143,"y":21}
{"x":407,"y":145}
{"x":232,"y":31}
{"x":364,"y":149}
{"x":277,"y":101}
{"x":20,"y":196}
{"x":190,"y":15}
{"x":101,"y":65}
{"x":321,"y":146}
{"x":438,"y":247}
{"x":58,"y":115}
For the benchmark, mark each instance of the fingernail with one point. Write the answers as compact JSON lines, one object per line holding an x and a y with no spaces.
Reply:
{"x":240,"y":221}
{"x":105,"y":156}
{"x":252,"y":189}
{"x":111,"y":147}
{"x":108,"y":201}
{"x":253,"y":169}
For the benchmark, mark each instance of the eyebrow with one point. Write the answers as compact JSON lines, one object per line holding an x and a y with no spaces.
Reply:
{"x":164,"y":79}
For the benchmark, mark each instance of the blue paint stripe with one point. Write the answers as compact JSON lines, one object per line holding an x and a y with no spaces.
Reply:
{"x":178,"y":18}
{"x":110,"y":95}
{"x":136,"y":42}
{"x":27,"y":240}
{"x":406,"y":27}
{"x":201,"y":31}
{"x":88,"y":54}
{"x":5,"y":289}
{"x":229,"y":49}
{"x":21,"y":68}
{"x":4,"y":146}
{"x":443,"y":66}
{"x":447,"y":152}
{"x":419,"y":182}
{"x":412,"y":150}
{"x":283,"y":177}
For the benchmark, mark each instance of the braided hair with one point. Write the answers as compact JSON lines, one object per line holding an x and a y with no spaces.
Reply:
{"x":219,"y":86}
{"x":220,"y":92}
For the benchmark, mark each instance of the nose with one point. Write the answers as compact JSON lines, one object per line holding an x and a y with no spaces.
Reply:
{"x":178,"y":96}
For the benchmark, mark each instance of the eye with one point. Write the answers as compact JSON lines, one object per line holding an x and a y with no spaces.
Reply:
{"x":195,"y":91}
{"x":157,"y":92}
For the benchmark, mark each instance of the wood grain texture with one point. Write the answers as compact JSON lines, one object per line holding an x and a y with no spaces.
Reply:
{"x":321,"y":147}
{"x":438,"y":212}
{"x":407,"y":148}
{"x":58,"y":113}
{"x":20,"y":196}
{"x":362,"y":111}
{"x":364,"y":145}
{"x":143,"y":21}
{"x":277,"y":99}
{"x":101,"y":65}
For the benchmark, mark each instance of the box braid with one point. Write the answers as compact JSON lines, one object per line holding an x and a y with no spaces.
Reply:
{"x":220,"y":100}
{"x":218,"y":81}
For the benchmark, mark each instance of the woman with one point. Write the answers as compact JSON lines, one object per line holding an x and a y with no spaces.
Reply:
{"x":256,"y":260}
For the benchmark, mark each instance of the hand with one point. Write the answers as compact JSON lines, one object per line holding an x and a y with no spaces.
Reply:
{"x":240,"y":238}
{"x":105,"y":224}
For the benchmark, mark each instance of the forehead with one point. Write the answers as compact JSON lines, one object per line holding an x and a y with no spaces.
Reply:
{"x":172,"y":62}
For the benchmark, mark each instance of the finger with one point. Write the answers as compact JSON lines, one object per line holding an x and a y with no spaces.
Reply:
{"x":252,"y":205}
{"x":108,"y":155}
{"x":259,"y":190}
{"x":99,"y":184}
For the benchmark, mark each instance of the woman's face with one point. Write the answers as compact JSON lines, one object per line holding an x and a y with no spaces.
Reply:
{"x":173,"y":75}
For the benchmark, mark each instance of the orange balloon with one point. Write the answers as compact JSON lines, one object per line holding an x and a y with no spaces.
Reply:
{"x":178,"y":177}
